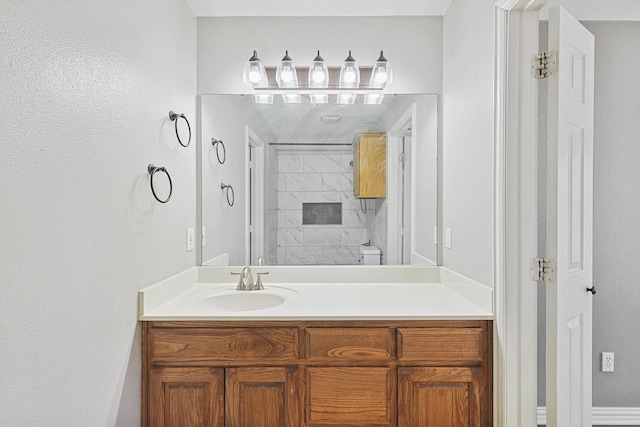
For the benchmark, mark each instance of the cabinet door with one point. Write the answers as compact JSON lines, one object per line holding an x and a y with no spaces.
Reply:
{"x":370,"y":166}
{"x":265,"y":397}
{"x":186,"y":397}
{"x":436,"y":397}
{"x":351,"y":396}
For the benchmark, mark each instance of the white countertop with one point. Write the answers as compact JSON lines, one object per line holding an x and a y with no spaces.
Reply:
{"x":422,"y":293}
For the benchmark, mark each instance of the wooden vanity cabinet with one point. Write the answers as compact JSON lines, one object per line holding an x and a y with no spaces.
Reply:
{"x":317,"y":374}
{"x":370,"y":165}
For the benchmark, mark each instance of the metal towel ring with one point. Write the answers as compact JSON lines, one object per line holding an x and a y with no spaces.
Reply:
{"x":233,"y":194}
{"x":217,"y":143}
{"x":152,"y":171}
{"x":174,"y":118}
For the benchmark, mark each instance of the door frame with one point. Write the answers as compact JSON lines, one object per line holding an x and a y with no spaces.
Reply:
{"x":258,"y":145}
{"x":399,"y":128}
{"x":516,"y":209}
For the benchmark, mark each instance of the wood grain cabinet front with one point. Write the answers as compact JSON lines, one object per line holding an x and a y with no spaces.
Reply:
{"x":317,"y":374}
{"x":370,"y":166}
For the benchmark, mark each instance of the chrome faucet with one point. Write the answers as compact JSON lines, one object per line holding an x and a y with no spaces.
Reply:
{"x":246,"y":282}
{"x":261,"y":261}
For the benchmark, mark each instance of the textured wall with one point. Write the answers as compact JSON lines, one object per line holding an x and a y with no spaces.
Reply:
{"x":467,"y":135}
{"x":616,"y":214}
{"x":86,"y":87}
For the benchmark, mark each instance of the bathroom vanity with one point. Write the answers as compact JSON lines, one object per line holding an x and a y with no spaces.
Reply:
{"x":394,"y":346}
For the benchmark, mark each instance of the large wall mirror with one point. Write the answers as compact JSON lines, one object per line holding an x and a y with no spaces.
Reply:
{"x":280,"y":184}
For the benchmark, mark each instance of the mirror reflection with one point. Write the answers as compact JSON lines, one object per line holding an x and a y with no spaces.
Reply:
{"x":319,"y":184}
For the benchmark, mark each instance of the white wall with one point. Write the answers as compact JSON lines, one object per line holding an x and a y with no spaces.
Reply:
{"x":424,"y":141}
{"x":413,"y":45}
{"x":467,"y":135}
{"x":86,"y":90}
{"x":616,"y":218}
{"x":225,"y":117}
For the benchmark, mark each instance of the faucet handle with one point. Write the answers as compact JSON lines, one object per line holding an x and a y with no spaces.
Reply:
{"x":258,"y":286}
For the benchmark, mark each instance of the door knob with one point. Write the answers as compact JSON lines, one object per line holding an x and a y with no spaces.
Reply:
{"x":592,"y":289}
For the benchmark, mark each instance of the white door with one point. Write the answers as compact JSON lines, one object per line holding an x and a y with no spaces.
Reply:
{"x":570,"y":222}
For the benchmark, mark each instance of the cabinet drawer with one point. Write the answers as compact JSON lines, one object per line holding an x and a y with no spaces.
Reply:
{"x":351,"y":396}
{"x":440,"y":346}
{"x":222,"y":347}
{"x":348,"y":344}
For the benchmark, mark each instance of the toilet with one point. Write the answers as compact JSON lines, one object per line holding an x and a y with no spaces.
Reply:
{"x":369,"y":255}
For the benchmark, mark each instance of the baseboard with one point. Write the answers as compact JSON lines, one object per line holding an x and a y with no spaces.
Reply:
{"x":604,"y":416}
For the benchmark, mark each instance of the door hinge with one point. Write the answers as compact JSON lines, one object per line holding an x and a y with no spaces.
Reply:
{"x":403,"y":157}
{"x":542,"y":270}
{"x":544,"y":65}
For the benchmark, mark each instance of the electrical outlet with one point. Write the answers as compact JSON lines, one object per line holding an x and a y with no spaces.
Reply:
{"x":447,"y":238}
{"x":189,"y":239}
{"x":204,"y":236}
{"x":607,"y":362}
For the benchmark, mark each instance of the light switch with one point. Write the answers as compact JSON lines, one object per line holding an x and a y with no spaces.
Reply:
{"x":447,"y":238}
{"x":435,"y":234}
{"x":189,"y":239}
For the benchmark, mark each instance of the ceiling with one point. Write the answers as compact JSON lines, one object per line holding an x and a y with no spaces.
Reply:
{"x":589,"y":10}
{"x":226,"y":8}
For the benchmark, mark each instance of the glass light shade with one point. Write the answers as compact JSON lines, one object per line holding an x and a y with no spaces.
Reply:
{"x":349,"y":73}
{"x":319,"y":98}
{"x":346,"y":98}
{"x":286,"y":75}
{"x":373,"y":98}
{"x":381,"y":74}
{"x":254,"y":74}
{"x":264,"y":98}
{"x":291,"y":98}
{"x":318,"y":73}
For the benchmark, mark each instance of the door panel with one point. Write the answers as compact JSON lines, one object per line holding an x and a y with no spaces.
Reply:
{"x":437,"y":397}
{"x":186,"y":397}
{"x":570,"y":222}
{"x":351,"y":396}
{"x":266,"y":397}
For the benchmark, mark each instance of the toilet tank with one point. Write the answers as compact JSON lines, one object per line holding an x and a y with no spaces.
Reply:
{"x":369,"y":255}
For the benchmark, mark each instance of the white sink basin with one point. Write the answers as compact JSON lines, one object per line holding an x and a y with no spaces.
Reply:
{"x":228,"y":299}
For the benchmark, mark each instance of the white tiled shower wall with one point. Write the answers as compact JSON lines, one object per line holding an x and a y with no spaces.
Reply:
{"x":271,"y":241}
{"x":317,"y":174}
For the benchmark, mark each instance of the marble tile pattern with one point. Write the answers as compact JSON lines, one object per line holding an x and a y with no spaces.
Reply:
{"x":272,"y":212}
{"x":316,"y":177}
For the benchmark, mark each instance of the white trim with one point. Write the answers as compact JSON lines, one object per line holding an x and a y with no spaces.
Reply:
{"x":395,"y":134}
{"x":515,"y":213}
{"x":604,"y":416}
{"x":258,"y":145}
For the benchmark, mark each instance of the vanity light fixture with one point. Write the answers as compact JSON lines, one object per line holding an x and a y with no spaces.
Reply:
{"x":254,"y":74}
{"x":346,"y":98}
{"x":317,"y":87}
{"x":349,"y":73}
{"x":373,"y":98}
{"x":264,"y":98}
{"x":319,"y":98}
{"x":318,"y":73}
{"x":291,"y":98}
{"x":381,"y":75}
{"x":286,"y":75}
